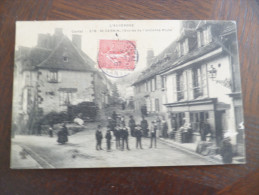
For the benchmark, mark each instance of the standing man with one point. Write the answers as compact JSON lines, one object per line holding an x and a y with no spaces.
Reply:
{"x":132,"y":125}
{"x":153,"y":134}
{"x":138,"y":134}
{"x":117,"y":134}
{"x":144,"y":126}
{"x":108,"y":137}
{"x":125,"y":137}
{"x":99,"y":137}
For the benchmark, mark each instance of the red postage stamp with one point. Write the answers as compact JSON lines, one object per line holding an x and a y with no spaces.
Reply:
{"x":117,"y":55}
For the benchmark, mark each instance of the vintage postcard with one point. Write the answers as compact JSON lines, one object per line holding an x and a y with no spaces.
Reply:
{"x":126,"y":93}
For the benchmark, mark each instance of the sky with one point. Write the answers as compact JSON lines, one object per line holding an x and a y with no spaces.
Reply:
{"x":156,"y":34}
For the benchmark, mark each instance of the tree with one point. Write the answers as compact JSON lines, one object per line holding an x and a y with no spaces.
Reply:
{"x":115,"y":94}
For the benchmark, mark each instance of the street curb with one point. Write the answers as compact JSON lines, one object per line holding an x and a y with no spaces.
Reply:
{"x":190,"y":151}
{"x":43,"y":163}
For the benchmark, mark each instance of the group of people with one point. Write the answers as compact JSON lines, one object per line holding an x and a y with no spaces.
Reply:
{"x":121,"y":138}
{"x":117,"y":128}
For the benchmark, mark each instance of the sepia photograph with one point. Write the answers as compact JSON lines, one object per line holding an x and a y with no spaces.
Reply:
{"x":126,"y":93}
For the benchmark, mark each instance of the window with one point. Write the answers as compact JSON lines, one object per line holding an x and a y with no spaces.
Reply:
{"x":157,"y":105}
{"x":163,"y":80}
{"x":196,"y":118}
{"x":65,"y":58}
{"x":52,"y":76}
{"x":66,"y":98}
{"x":150,"y":85}
{"x":197,"y":83}
{"x":177,"y":120}
{"x":153,"y":84}
{"x":183,"y":47}
{"x":180,"y":86}
{"x":204,"y":36}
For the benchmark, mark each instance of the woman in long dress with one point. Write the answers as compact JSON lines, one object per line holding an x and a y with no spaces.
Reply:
{"x":62,"y":135}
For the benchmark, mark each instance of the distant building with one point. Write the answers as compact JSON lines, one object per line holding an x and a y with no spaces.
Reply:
{"x":54,"y":74}
{"x":197,"y":80}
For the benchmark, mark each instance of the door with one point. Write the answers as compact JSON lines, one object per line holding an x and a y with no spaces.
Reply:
{"x":219,"y":126}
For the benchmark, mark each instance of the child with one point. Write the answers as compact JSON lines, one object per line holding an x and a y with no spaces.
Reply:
{"x":108,"y":137}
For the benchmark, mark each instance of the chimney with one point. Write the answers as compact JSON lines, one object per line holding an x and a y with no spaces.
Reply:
{"x":150,"y":56}
{"x":44,"y":41}
{"x":77,"y":40}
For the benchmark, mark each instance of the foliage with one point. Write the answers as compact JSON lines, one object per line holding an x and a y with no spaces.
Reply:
{"x":54,"y":118}
{"x":115,"y":95}
{"x":84,"y":110}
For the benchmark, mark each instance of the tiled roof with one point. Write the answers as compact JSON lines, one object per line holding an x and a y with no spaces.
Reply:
{"x":173,"y":60}
{"x":53,"y":58}
{"x":169,"y":54}
{"x":177,"y":61}
{"x":32,"y":57}
{"x":76,"y":60}
{"x":191,"y":55}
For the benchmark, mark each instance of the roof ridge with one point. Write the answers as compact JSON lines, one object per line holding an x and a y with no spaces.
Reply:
{"x":79,"y":52}
{"x":53,"y":51}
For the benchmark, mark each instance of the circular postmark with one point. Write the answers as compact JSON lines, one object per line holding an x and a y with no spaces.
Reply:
{"x":117,"y":58}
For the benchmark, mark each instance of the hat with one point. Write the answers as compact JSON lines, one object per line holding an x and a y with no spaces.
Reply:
{"x":229,"y":134}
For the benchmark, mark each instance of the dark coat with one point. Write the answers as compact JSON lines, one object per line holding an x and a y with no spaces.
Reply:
{"x":98,"y":135}
{"x":117,"y":133}
{"x":144,"y":124}
{"x":108,"y":136}
{"x":132,"y":123}
{"x":153,"y":131}
{"x":138,"y":133}
{"x":226,"y":151}
{"x":62,"y":135}
{"x":124,"y":133}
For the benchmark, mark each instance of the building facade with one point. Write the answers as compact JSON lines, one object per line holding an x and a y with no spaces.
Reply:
{"x":199,"y":80}
{"x":54,"y":74}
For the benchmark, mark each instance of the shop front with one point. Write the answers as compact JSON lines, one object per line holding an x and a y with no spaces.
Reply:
{"x":207,"y":120}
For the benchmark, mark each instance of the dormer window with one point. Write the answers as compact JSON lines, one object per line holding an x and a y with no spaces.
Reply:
{"x":183,"y":47}
{"x":65,"y":58}
{"x":204,"y":36}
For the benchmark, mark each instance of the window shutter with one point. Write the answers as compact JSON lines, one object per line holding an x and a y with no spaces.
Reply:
{"x":186,"y":48}
{"x":209,"y":37}
{"x":199,"y":38}
{"x":204,"y":80}
{"x":190,"y":83}
{"x":179,"y":49}
{"x":174,"y":91}
{"x":148,"y":105}
{"x":158,"y":82}
{"x":185,"y":87}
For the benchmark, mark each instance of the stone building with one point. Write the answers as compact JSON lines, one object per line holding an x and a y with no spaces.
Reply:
{"x":198,"y":78}
{"x":54,"y":74}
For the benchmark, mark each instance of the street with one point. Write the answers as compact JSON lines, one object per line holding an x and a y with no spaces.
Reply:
{"x":80,"y":152}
